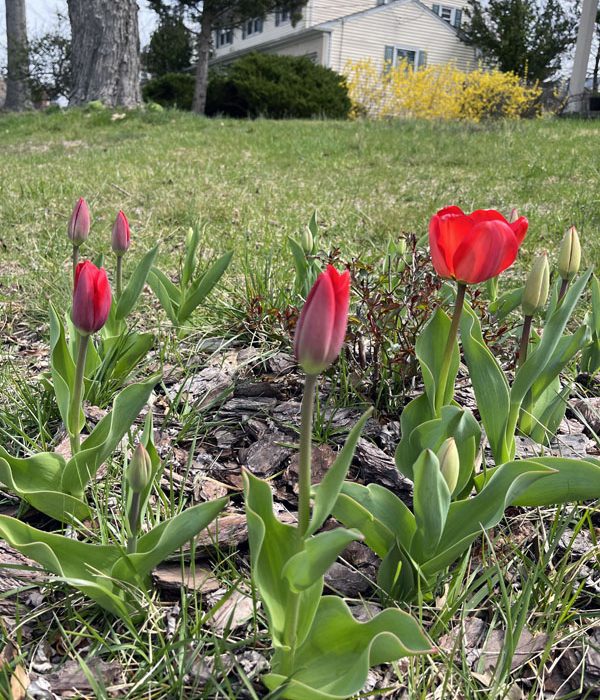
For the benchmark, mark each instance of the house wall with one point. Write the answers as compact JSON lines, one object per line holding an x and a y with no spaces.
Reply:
{"x":314,"y":47}
{"x":408,"y":25}
{"x":318,"y":11}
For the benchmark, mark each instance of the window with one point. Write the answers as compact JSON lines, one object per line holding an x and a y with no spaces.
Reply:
{"x":452,"y":15}
{"x":395,"y":55}
{"x":282,"y":15}
{"x":223,"y":37}
{"x":252,"y":26}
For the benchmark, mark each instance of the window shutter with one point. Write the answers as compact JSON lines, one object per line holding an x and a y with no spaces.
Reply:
{"x":421,"y":59}
{"x":388,"y":58}
{"x":457,"y":18}
{"x":244,"y":32}
{"x":277,"y":16}
{"x":436,"y":9}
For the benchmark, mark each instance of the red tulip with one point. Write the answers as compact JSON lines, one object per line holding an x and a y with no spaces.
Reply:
{"x":472,"y":248}
{"x":121,"y":234}
{"x":91,"y":298}
{"x":322,"y":324}
{"x":79,"y":223}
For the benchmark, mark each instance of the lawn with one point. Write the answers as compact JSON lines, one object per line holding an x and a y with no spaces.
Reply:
{"x":531,"y":585}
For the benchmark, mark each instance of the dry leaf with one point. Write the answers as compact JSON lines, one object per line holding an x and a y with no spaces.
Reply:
{"x":235,"y":611}
{"x":197,"y":578}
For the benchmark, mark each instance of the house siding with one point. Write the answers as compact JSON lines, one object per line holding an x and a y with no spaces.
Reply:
{"x":408,"y":25}
{"x":318,"y":11}
{"x":314,"y":47}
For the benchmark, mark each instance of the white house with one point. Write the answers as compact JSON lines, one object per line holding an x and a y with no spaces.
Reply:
{"x":332,"y":33}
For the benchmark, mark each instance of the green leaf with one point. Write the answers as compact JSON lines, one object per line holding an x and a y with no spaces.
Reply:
{"x":135,"y":285}
{"x":379,"y":515}
{"x":329,"y":488}
{"x":415,"y":413}
{"x":189,"y":264}
{"x":272,"y":544}
{"x":431,"y":502}
{"x":36,"y":480}
{"x":61,"y":365}
{"x":308,"y":567}
{"x":429,"y":349}
{"x":203,"y":288}
{"x":489,"y":384}
{"x":334,"y":661}
{"x":300,"y":263}
{"x":166,"y":292}
{"x":106,"y":435}
{"x":135,"y":347}
{"x":166,"y":538}
{"x":571,"y":480}
{"x":547,"y":413}
{"x":467,"y":519}
{"x":506,"y":303}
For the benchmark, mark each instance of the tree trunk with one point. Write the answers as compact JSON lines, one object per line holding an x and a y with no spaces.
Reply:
{"x":204,"y":44}
{"x":18,"y":91}
{"x":596,"y":68}
{"x":105,"y":55}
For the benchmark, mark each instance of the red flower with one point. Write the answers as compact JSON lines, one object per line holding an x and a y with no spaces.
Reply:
{"x":79,"y":223}
{"x":472,"y":248}
{"x":91,"y":298}
{"x":322,"y":324}
{"x":120,"y":234}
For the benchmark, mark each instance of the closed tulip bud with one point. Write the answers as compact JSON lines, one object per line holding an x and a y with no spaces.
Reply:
{"x":569,"y":256}
{"x":322,"y":324}
{"x":139,"y":470}
{"x":188,"y":237}
{"x":514,"y":216}
{"x":536,"y":289}
{"x":79,"y":223}
{"x":91,"y":298}
{"x":449,"y":463}
{"x":120,"y":234}
{"x":307,"y":241}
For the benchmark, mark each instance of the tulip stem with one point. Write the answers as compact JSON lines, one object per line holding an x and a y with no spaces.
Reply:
{"x":119,"y":275}
{"x":526,"y":332}
{"x":76,"y":396}
{"x":447,"y":359}
{"x":133,"y":516}
{"x":75,"y":261}
{"x":564,"y":285}
{"x":304,"y":469}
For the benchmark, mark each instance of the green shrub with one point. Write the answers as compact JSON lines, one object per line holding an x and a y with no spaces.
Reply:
{"x":170,"y":90}
{"x":277,"y":87}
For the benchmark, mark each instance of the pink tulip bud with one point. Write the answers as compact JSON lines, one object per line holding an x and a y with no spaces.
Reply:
{"x":91,"y":298}
{"x":120,"y":234}
{"x":322,"y":324}
{"x":79,"y":223}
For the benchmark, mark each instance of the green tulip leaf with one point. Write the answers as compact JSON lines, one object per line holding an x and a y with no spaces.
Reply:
{"x":431,"y":502}
{"x":546,"y":413}
{"x":202,"y":288}
{"x":467,"y":519}
{"x":300,"y":262}
{"x":166,"y":538}
{"x":489,"y":384}
{"x":329,"y":488}
{"x":415,"y":413}
{"x":61,"y":365}
{"x":429,"y":349}
{"x":505,"y":303}
{"x":191,"y":247}
{"x":166,"y":292}
{"x":398,"y":574}
{"x":134,"y":287}
{"x":334,"y":661}
{"x":136,"y":346}
{"x":272,"y":545}
{"x":36,"y":480}
{"x":379,"y":515}
{"x":106,"y":435}
{"x":319,"y":553}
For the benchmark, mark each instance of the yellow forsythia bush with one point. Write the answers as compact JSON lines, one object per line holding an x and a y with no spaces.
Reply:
{"x":438,"y":92}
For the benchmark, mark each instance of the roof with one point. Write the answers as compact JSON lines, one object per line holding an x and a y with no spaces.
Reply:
{"x":330,"y":24}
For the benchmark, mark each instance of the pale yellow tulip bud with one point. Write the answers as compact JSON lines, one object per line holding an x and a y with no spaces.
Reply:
{"x":139,"y":470}
{"x":537,"y":286}
{"x":449,"y":462}
{"x":514,"y":215}
{"x":569,"y":257}
{"x":307,"y":241}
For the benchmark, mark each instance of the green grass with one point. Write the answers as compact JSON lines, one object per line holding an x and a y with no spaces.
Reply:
{"x":251,"y":184}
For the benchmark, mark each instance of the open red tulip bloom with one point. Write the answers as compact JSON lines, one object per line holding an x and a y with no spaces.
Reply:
{"x":472,"y":248}
{"x":91,"y":298}
{"x":322,"y":324}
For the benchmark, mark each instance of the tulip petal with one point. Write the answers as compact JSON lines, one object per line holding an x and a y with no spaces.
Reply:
{"x":83,"y":310}
{"x":315,"y":326}
{"x":486,"y":251}
{"x":480,"y":215}
{"x":451,"y":231}
{"x":438,"y":257}
{"x":341,"y":290}
{"x":519,"y":228}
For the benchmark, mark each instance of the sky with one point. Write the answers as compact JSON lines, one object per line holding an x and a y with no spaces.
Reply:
{"x":41,"y":18}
